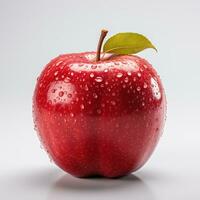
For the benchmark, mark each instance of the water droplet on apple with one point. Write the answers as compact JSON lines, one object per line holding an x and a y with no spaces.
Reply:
{"x":103,"y":105}
{"x":138,"y":88}
{"x":119,"y":75}
{"x":99,"y":111}
{"x":66,"y":80}
{"x":134,"y":79}
{"x":89,"y":102}
{"x":69,"y":95}
{"x":95,"y":95}
{"x":77,"y":99}
{"x":91,"y":75}
{"x":59,"y":62}
{"x":145,"y":85}
{"x":126,"y":80}
{"x":139,"y":74}
{"x":62,"y":76}
{"x":105,"y":70}
{"x":113,"y":103}
{"x":49,"y":101}
{"x":82,"y":106}
{"x":61,"y":93}
{"x":55,"y":73}
{"x":86,"y":88}
{"x":129,"y":73}
{"x":71,"y":114}
{"x":72,"y":73}
{"x":113,"y":94}
{"x":53,"y":90}
{"x":98,"y":79}
{"x":143,"y":104}
{"x":155,"y":89}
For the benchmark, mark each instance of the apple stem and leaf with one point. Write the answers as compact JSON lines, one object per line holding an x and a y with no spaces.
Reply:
{"x":123,"y":44}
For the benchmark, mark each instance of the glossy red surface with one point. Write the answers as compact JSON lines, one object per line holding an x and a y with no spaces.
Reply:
{"x":100,"y":118}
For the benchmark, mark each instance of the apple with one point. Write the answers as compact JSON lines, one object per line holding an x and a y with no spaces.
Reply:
{"x":99,"y":113}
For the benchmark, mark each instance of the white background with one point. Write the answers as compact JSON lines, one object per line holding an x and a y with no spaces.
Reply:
{"x":33,"y":32}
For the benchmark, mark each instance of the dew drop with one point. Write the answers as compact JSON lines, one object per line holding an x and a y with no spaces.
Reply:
{"x":106,"y":70}
{"x":145,"y":66}
{"x":98,"y":111}
{"x":126,"y":80}
{"x":71,"y":114}
{"x":72,"y":73}
{"x":113,"y":103}
{"x":49,"y":101}
{"x":95,"y":95}
{"x":59,"y":62}
{"x":129,"y":73}
{"x":145,"y":85}
{"x":119,"y":75}
{"x":98,"y":79}
{"x":91,"y":75}
{"x":62,"y":76}
{"x":89,"y":102}
{"x":61,"y":93}
{"x":66,"y":80}
{"x":69,"y":95}
{"x":139,"y":74}
{"x":82,"y":106}
{"x":56,"y":73}
{"x":138,"y":88}
{"x":103,"y":105}
{"x":143,"y":104}
{"x":113,"y":94}
{"x":40,"y":85}
{"x":134,"y":79}
{"x":86,"y":88}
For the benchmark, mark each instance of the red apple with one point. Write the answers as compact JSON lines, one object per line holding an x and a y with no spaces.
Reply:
{"x":99,"y":117}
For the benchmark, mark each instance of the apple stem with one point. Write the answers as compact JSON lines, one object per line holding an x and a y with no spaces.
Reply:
{"x":102,"y":36}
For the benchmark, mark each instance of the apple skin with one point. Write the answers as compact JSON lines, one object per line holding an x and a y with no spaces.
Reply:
{"x":99,"y":118}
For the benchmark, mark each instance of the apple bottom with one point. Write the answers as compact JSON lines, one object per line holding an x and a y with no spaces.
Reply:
{"x":85,"y":145}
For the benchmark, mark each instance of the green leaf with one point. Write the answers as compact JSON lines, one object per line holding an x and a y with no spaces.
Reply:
{"x":127,"y":43}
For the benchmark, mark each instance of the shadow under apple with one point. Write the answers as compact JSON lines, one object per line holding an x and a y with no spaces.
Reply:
{"x":128,"y":187}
